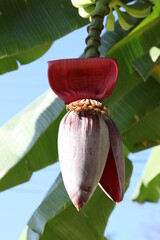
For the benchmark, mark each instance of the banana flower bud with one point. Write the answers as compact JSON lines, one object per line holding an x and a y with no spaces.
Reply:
{"x":89,"y":143}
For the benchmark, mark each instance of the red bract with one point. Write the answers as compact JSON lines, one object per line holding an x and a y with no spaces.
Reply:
{"x":113,"y":178}
{"x":89,"y":143}
{"x":74,"y":79}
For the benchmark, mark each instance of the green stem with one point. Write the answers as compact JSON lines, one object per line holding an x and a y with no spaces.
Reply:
{"x":93,"y":40}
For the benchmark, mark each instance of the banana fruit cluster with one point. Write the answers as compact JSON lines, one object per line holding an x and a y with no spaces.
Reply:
{"x":85,"y":7}
{"x":126,"y":13}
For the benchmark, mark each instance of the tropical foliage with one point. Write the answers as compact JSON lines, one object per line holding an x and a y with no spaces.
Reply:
{"x":134,"y":106}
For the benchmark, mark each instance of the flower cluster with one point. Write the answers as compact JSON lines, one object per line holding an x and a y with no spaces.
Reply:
{"x":89,"y":143}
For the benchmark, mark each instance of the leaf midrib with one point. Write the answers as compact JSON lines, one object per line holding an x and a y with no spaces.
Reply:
{"x":25,"y":51}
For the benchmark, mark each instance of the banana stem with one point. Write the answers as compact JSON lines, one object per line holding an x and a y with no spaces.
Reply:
{"x":93,"y":40}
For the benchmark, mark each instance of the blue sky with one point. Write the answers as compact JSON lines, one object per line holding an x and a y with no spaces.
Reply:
{"x":129,"y":221}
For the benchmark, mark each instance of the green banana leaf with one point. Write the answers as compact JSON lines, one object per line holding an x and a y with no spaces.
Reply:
{"x":130,"y":48}
{"x":144,"y":65}
{"x":134,"y":104}
{"x":28,"y":29}
{"x":36,"y":153}
{"x":19,"y":154}
{"x":137,"y":115}
{"x":56,"y":218}
{"x":114,"y":37}
{"x":149,"y":185}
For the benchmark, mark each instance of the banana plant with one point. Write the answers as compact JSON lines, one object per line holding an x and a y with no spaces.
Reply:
{"x":90,"y":146}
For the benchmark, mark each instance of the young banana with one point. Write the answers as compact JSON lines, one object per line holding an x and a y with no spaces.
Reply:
{"x":82,"y":3}
{"x":125,"y":20}
{"x":87,"y":11}
{"x":137,"y":10}
{"x":110,"y":21}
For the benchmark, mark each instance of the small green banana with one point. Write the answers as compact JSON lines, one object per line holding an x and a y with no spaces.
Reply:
{"x":110,"y":21}
{"x":138,"y":10}
{"x":125,"y":20}
{"x":87,"y":11}
{"x":82,"y":3}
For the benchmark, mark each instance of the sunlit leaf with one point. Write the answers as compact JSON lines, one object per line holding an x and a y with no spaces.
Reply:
{"x":19,"y":154}
{"x":149,"y":185}
{"x":154,"y":53}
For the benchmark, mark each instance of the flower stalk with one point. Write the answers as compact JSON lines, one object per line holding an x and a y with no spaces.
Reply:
{"x":93,"y":40}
